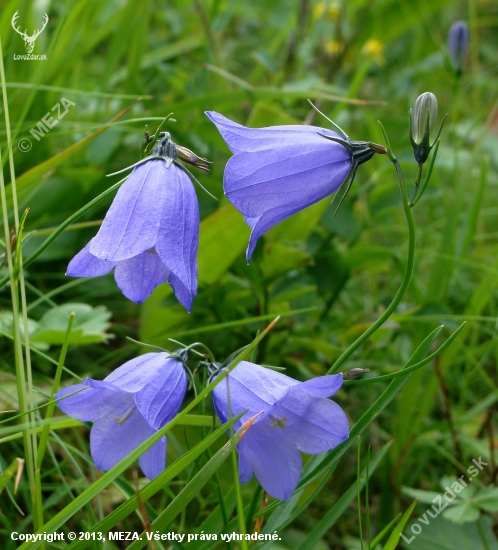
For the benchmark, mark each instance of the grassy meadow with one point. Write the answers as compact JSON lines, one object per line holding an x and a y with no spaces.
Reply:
{"x":424,"y":277}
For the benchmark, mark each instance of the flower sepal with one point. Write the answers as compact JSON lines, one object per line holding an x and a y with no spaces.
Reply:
{"x":165,"y":149}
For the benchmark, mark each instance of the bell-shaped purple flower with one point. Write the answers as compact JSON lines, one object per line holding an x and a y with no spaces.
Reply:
{"x":458,"y":44}
{"x":127,"y":407}
{"x":280,"y":170}
{"x":149,"y":235}
{"x":295,"y":417}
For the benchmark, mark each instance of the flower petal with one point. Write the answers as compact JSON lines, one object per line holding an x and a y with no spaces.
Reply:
{"x":135,"y":374}
{"x":313,"y":424}
{"x":178,"y":239}
{"x":242,"y":139}
{"x":182,"y":293}
{"x":275,"y":461}
{"x":137,"y":277}
{"x":161,"y":398}
{"x":251,"y":387}
{"x":153,"y":461}
{"x":131,"y":224}
{"x":245,"y":468}
{"x":97,"y":400}
{"x":269,"y":185}
{"x":85,"y":264}
{"x":323,"y":386}
{"x":111,"y":439}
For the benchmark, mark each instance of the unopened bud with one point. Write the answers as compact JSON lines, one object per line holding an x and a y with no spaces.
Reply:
{"x":354,"y":373}
{"x":458,"y":44}
{"x":189,"y":156}
{"x":422,"y":120}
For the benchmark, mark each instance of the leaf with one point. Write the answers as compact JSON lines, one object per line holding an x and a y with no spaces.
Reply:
{"x":423,"y":496}
{"x":442,"y":534}
{"x":487,"y":499}
{"x":461,"y":513}
{"x":10,"y":472}
{"x":223,"y":237}
{"x":392,"y":541}
{"x":449,"y":483}
{"x":280,"y":259}
{"x":361,"y":256}
{"x":6,"y":321}
{"x":89,"y":326}
{"x":299,"y":226}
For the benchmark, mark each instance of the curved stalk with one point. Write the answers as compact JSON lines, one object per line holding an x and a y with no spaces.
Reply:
{"x":408,"y":271}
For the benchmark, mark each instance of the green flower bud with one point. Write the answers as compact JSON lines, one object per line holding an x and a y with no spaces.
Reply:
{"x":422,"y":121}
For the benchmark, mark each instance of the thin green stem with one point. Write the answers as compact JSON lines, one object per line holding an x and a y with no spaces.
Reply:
{"x":417,"y":197}
{"x":367,"y":503}
{"x":408,"y":271}
{"x":417,"y":183}
{"x":75,"y":227}
{"x":55,"y":387}
{"x":40,"y":407}
{"x":41,"y":354}
{"x":48,"y":295}
{"x":406,"y":368}
{"x":38,"y":511}
{"x":358,"y":490}
{"x":240,"y":503}
{"x":23,"y":397}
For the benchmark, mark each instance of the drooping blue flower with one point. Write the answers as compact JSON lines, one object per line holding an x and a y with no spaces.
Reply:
{"x":150,"y":233}
{"x":295,"y":417}
{"x":458,"y":44}
{"x":127,"y":407}
{"x":280,"y":170}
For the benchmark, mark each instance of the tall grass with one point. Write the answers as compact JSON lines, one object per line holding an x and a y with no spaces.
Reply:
{"x":127,"y":64}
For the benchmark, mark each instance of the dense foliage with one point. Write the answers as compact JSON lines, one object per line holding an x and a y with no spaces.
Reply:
{"x":113,"y":67}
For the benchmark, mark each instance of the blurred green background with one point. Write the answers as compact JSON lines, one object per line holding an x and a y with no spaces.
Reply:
{"x":257,"y":63}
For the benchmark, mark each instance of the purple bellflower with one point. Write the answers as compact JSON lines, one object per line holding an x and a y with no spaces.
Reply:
{"x":150,"y":233}
{"x":295,"y":417}
{"x":127,"y":407}
{"x":458,"y":44}
{"x":280,"y":170}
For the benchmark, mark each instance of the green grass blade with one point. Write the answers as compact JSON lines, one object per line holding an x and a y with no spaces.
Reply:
{"x":392,"y":541}
{"x":156,"y":485}
{"x":379,"y":405}
{"x":193,"y":487}
{"x":55,"y":387}
{"x":418,"y":365}
{"x":338,"y":509}
{"x":10,"y":472}
{"x":62,"y":517}
{"x":27,"y":182}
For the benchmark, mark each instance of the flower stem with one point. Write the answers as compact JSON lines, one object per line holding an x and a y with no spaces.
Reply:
{"x":55,"y":387}
{"x":408,"y":271}
{"x":16,"y":279}
{"x":417,"y":183}
{"x":418,"y":195}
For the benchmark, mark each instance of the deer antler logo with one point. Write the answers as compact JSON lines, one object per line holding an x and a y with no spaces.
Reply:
{"x":29,"y":41}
